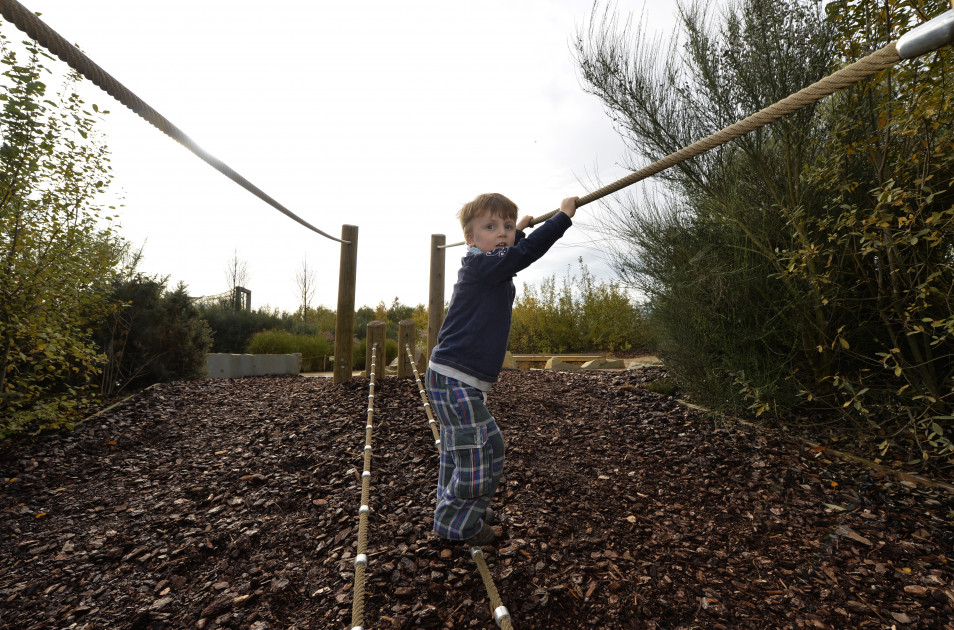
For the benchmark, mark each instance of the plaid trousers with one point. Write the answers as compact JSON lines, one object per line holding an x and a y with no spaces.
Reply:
{"x":472,"y":456}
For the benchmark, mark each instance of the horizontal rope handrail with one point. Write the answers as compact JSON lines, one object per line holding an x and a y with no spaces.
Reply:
{"x":924,"y":38}
{"x":39,"y":31}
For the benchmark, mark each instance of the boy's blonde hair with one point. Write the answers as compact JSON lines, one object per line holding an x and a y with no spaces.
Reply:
{"x":494,"y":203}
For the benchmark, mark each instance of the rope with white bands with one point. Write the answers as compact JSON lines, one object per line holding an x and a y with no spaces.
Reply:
{"x":497,"y":608}
{"x":361,"y":559}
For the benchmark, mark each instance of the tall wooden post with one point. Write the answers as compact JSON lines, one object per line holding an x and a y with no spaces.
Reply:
{"x":435,"y":301}
{"x":407,"y":336}
{"x":344,"y":320}
{"x":377,"y":334}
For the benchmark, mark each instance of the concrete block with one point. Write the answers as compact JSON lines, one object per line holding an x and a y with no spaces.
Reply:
{"x":555,"y":363}
{"x":223,"y":365}
{"x":604,"y":364}
{"x":595,"y":364}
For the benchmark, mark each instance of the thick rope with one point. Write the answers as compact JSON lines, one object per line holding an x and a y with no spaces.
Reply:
{"x":861,"y":69}
{"x":361,"y":557}
{"x":427,"y":406}
{"x":30,"y":24}
{"x":497,"y":609}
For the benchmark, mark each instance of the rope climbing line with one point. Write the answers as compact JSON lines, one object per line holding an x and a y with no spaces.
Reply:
{"x":361,"y":557}
{"x":29,"y":23}
{"x":500,"y":612}
{"x":926,"y":37}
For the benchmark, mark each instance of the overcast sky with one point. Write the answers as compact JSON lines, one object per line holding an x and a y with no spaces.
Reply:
{"x":381,"y":114}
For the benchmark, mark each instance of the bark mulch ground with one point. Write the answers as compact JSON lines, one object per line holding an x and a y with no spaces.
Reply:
{"x":233,"y":504}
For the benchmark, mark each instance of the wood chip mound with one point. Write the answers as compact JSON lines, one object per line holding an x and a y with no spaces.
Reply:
{"x":234,"y":504}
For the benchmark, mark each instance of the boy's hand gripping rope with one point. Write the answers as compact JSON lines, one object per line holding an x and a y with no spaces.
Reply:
{"x":500,"y":612}
{"x":361,"y":559}
{"x":29,"y":23}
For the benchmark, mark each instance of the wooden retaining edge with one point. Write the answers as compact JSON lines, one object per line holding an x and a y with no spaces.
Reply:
{"x":900,"y":475}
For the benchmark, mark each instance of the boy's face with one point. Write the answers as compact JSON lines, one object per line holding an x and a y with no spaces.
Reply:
{"x":489,"y":232}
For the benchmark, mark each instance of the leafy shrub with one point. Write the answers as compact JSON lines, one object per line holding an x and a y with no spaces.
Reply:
{"x":314,"y":349}
{"x":361,"y":350}
{"x":581,"y":315}
{"x":664,"y":386}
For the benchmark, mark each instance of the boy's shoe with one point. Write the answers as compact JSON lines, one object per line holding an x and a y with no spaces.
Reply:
{"x":488,"y":516}
{"x":485,"y":536}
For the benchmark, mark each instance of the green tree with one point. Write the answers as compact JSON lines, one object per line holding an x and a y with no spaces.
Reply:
{"x":705,"y":250}
{"x":154,"y":335}
{"x":808,"y":263}
{"x":56,"y":259}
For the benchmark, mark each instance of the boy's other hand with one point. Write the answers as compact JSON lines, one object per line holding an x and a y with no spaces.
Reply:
{"x":568,"y":206}
{"x":524,"y":222}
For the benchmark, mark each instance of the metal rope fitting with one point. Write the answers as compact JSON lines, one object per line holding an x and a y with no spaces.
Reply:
{"x":368,"y":447}
{"x":500,"y":614}
{"x":437,"y":443}
{"x":370,"y":395}
{"x":368,"y":426}
{"x":370,"y":410}
{"x":422,"y":392}
{"x":366,"y":473}
{"x":364,"y":509}
{"x":927,"y":37}
{"x":431,"y":422}
{"x":360,"y":559}
{"x":475,"y":551}
{"x":428,"y":405}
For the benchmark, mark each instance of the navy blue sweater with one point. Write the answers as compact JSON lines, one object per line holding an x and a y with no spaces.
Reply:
{"x":473,"y":339}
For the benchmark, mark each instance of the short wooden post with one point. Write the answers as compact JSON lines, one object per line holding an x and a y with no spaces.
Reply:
{"x":344,"y":319}
{"x":435,"y":302}
{"x":377,"y":334}
{"x":407,"y":336}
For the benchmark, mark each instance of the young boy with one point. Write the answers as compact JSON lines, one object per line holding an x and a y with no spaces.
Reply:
{"x":469,"y":354}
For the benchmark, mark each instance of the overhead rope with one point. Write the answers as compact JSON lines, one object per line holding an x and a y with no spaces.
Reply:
{"x":29,"y":23}
{"x":361,"y":557}
{"x":497,"y":608}
{"x":927,"y":37}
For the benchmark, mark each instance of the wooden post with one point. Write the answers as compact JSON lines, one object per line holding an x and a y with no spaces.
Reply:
{"x":344,"y":319}
{"x":407,"y":336}
{"x":435,"y":302}
{"x":377,"y":334}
